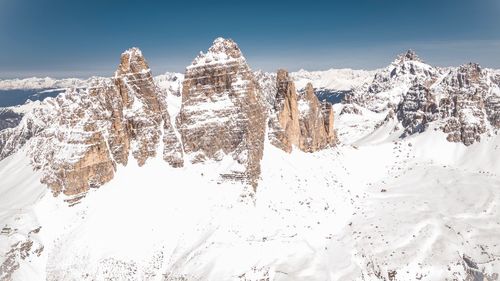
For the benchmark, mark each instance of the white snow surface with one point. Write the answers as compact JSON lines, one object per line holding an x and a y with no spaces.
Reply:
{"x":315,"y":216}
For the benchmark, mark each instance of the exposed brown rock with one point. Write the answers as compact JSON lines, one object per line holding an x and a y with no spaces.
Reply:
{"x":329,"y":116}
{"x":316,"y":129}
{"x":284,"y":125}
{"x":222,"y":111}
{"x":302,"y":121}
{"x":80,"y":137}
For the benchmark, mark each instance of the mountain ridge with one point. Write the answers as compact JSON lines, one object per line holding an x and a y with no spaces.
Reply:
{"x":223,"y":173}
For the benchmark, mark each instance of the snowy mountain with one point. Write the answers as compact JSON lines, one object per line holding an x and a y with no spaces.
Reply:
{"x":463,"y":102}
{"x":43,"y":83}
{"x":333,"y":79}
{"x":326,"y":83}
{"x":223,"y":173}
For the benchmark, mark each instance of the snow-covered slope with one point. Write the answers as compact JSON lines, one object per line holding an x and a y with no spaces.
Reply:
{"x":418,"y":209}
{"x":381,"y":205}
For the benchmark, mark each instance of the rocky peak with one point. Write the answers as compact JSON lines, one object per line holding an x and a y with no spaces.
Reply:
{"x":300,"y":121}
{"x":467,"y":75}
{"x":132,"y":61}
{"x":225,"y":46}
{"x":222,"y":112}
{"x":285,"y":89}
{"x":409,"y":55}
{"x":461,"y":104}
{"x":284,"y":121}
{"x":79,"y":138}
{"x":390,"y":84}
{"x":221,"y":51}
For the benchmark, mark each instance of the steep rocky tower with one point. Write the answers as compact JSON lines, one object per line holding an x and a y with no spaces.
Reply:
{"x":80,"y":137}
{"x":316,"y":129}
{"x":284,"y":124}
{"x":222,"y":111}
{"x":145,"y":110}
{"x":329,"y":116}
{"x":300,"y":121}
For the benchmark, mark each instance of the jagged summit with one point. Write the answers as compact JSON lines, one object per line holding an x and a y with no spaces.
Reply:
{"x":132,"y":61}
{"x":409,"y":55}
{"x":80,"y":138}
{"x":223,"y":111}
{"x":461,"y":101}
{"x":226,"y":46}
{"x":300,"y":120}
{"x":222,"y":51}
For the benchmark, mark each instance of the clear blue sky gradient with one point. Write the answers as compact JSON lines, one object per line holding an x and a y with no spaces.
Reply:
{"x":77,"y":38}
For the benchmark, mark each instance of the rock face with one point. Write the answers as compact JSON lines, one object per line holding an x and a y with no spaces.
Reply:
{"x":417,"y":109}
{"x":78,"y":138}
{"x":284,"y":126}
{"x":9,"y":118}
{"x":222,"y":111}
{"x":463,"y":102}
{"x":390,"y":84}
{"x":302,"y":121}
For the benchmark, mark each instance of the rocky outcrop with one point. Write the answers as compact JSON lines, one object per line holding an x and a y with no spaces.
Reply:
{"x":492,"y":105}
{"x":80,"y":137}
{"x":302,"y":121}
{"x":467,"y":103}
{"x":222,"y":111}
{"x":284,"y":126}
{"x":9,"y":118}
{"x":463,"y":102}
{"x":417,"y":109}
{"x":316,"y":122}
{"x":390,"y":84}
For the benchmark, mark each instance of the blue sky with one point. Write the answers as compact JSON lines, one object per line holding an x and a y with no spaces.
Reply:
{"x":63,"y":38}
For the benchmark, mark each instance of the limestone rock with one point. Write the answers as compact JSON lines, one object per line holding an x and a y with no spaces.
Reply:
{"x":390,"y":84}
{"x":80,"y":137}
{"x":316,"y":122}
{"x":462,"y":106}
{"x":284,"y":121}
{"x":222,"y":111}
{"x":463,"y":102}
{"x":302,"y":121}
{"x":417,"y":109}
